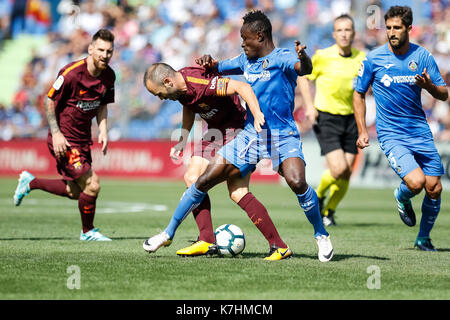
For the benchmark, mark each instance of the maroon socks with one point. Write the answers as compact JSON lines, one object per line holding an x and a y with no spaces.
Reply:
{"x":57,"y":187}
{"x":261,"y":219}
{"x":202,"y":215}
{"x":86,"y":204}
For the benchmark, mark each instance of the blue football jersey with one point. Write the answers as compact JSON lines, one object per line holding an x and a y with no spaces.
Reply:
{"x":399,"y":110}
{"x":273,"y":79}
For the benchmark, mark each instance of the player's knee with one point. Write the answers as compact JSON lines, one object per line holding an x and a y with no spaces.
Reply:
{"x":434,"y":191}
{"x":93,"y":186}
{"x":297,"y":184}
{"x":202,"y":183}
{"x":238,"y":194}
{"x":416,"y":185}
{"x":190,"y":178}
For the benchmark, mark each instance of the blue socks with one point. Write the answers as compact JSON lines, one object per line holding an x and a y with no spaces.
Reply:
{"x":404,"y":194}
{"x":310,"y":204}
{"x":430,"y":211}
{"x":191,"y":198}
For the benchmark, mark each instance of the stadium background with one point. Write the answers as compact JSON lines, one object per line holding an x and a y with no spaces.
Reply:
{"x":38,"y":37}
{"x":38,"y":243}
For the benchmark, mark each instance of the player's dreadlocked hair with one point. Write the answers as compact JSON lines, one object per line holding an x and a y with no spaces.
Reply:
{"x":103,"y":34}
{"x":259,"y":22}
{"x":404,"y":13}
{"x":158,"y":72}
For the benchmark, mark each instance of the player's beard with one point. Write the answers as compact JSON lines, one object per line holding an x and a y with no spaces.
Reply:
{"x":99,"y":65}
{"x":401,"y":42}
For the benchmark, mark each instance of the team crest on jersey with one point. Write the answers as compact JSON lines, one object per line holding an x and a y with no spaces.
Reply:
{"x":412,"y":65}
{"x":265,"y":63}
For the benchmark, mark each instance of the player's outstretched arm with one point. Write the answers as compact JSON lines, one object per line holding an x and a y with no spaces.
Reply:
{"x":102,"y":116}
{"x":424,"y":81}
{"x":246,"y":92}
{"x":186,"y":125}
{"x":59,"y":142}
{"x":359,"y":106}
{"x":304,"y":66}
{"x":207,"y":61}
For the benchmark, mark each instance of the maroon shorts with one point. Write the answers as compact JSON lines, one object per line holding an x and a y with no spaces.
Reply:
{"x":75,"y":164}
{"x":208,"y":146}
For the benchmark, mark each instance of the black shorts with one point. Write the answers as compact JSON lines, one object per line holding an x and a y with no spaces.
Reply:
{"x":336,"y":132}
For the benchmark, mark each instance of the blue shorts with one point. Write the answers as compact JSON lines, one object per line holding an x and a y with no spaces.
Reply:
{"x":248,"y":148}
{"x":406,"y":155}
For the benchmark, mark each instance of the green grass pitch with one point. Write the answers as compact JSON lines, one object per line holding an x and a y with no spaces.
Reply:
{"x":39,"y":246}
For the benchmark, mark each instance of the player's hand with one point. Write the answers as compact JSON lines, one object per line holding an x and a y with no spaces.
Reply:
{"x":206,"y":61}
{"x":103,"y":139}
{"x":300,"y":49}
{"x":424,"y":80}
{"x":363,"y":140}
{"x":60,"y":144}
{"x":259,"y":121}
{"x":176,"y":152}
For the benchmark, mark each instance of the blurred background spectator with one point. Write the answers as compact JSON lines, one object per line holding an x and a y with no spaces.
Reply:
{"x":177,"y":32}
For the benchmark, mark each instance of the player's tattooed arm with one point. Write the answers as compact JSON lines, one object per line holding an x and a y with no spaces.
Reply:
{"x":304,"y":66}
{"x":60,"y":143}
{"x":51,"y":116}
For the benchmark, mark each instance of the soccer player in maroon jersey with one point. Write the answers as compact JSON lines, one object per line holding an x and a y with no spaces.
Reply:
{"x":215,"y":99}
{"x":81,"y":92}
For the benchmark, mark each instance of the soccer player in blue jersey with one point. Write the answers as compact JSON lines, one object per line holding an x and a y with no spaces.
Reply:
{"x":398,"y":71}
{"x":272,"y":73}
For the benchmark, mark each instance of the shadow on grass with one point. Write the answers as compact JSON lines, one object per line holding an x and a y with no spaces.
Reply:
{"x":69,"y":238}
{"x":336,"y":257}
{"x":438,"y":249}
{"x":365,"y":225}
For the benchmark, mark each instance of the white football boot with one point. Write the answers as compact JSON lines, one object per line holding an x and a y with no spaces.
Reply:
{"x":326,"y":251}
{"x":154,"y":243}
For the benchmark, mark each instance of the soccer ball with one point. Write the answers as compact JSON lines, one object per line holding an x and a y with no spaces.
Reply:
{"x":230,"y":240}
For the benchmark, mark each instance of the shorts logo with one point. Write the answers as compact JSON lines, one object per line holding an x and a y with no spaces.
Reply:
{"x":77,"y":165}
{"x":74,"y":158}
{"x":412,"y":65}
{"x":393,"y":163}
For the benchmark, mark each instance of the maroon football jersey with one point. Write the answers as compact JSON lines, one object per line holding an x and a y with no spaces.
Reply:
{"x":78,"y":95}
{"x":206,"y":95}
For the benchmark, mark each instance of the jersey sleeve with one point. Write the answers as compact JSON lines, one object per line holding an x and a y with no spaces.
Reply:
{"x":60,"y":86}
{"x":433,"y":70}
{"x":288,"y":60}
{"x":233,"y":66}
{"x":217,"y":86}
{"x":109,"y":94}
{"x":365,"y":76}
